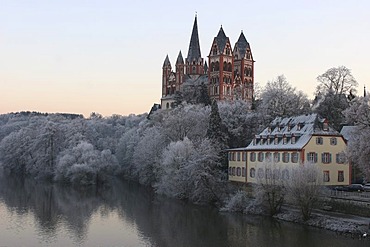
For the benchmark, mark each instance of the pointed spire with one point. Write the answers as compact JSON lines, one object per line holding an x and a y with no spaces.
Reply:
{"x":221,"y":39}
{"x":166,"y":62}
{"x":194,"y":47}
{"x":242,"y":44}
{"x":180,"y":60}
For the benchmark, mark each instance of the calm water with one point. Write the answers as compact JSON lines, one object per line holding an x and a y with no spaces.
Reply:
{"x":126,"y":214}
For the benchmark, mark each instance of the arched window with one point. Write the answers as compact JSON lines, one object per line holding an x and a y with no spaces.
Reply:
{"x":194,"y":70}
{"x":252,"y":172}
{"x":212,"y":66}
{"x":229,"y":68}
{"x":217,"y":66}
{"x":167,"y":105}
{"x":225,"y":66}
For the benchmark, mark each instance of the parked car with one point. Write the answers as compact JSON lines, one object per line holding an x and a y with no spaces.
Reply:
{"x":351,"y":187}
{"x":367,"y":187}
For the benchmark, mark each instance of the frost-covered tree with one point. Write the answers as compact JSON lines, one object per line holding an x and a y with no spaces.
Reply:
{"x":270,"y":190}
{"x":338,"y":81}
{"x":241,"y":123}
{"x":280,"y":99}
{"x":331,"y":106}
{"x":85,"y":165}
{"x":147,"y":155}
{"x":358,"y":149}
{"x":190,"y":171}
{"x":305,"y":187}
{"x":186,"y":120}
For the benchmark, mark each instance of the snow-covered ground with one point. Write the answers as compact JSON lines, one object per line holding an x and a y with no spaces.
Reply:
{"x":352,"y":225}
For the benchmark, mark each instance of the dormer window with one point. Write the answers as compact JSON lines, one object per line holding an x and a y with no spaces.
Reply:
{"x":293,"y":140}
{"x":276,"y":140}
{"x":289,"y":127}
{"x":254,"y":141}
{"x":325,"y":126}
{"x":285,"y":140}
{"x":299,"y":126}
{"x":269,"y":129}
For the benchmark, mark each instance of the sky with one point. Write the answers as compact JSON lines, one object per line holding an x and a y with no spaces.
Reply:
{"x":83,"y":56}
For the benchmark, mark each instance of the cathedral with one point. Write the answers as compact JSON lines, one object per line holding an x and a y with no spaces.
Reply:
{"x":229,"y":76}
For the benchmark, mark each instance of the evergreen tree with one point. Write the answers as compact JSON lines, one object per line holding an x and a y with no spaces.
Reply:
{"x":216,"y":130}
{"x":203,"y":97}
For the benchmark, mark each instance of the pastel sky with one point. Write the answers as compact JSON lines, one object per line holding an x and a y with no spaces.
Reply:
{"x":83,"y":56}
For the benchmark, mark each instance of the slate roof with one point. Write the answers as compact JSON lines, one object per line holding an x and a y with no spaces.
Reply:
{"x":221,"y":40}
{"x":166,"y":62}
{"x":194,"y":47}
{"x":242,"y":44}
{"x":347,"y":132}
{"x":301,"y":128}
{"x":180,"y":60}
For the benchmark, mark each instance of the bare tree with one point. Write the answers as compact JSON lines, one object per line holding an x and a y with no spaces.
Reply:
{"x":338,"y":80}
{"x":270,"y":189}
{"x":305,"y":187}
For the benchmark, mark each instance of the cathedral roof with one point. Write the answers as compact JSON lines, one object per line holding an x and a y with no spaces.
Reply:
{"x":180,"y":60}
{"x":242,"y":44}
{"x":194,"y":47}
{"x":221,"y":39}
{"x":166,"y":62}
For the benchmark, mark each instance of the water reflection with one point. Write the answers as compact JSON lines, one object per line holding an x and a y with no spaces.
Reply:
{"x":126,"y":214}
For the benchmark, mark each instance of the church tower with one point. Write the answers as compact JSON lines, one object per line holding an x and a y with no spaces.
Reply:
{"x":243,"y":70}
{"x":180,"y":67}
{"x":194,"y":61}
{"x":220,"y":71}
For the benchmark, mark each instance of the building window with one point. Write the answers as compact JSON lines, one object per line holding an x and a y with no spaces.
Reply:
{"x":229,"y":154}
{"x":260,"y":156}
{"x":326,"y":126}
{"x":285,"y":174}
{"x":340,"y":158}
{"x":233,"y":171}
{"x":238,"y":156}
{"x":326,"y":158}
{"x":276,"y":140}
{"x":333,"y":141}
{"x":294,"y":157}
{"x":312,"y":157}
{"x":285,"y":140}
{"x":238,"y":171}
{"x":243,"y":171}
{"x":252,"y":172}
{"x":244,"y":157}
{"x":268,"y":156}
{"x":319,"y":141}
{"x":340,"y":176}
{"x":285,"y":157}
{"x":326,"y":177}
{"x":277,"y":157}
{"x":276,"y":174}
{"x":260,"y":173}
{"x":293,"y":140}
{"x":268,"y":173}
{"x":252,"y":157}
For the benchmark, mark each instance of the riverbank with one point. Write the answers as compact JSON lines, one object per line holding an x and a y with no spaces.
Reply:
{"x":345,"y":224}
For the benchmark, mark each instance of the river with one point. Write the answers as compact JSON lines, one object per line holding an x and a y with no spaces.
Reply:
{"x":127,"y":214}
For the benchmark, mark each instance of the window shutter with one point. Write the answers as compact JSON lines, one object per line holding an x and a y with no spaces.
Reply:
{"x":329,"y":157}
{"x":315,"y":157}
{"x":323,"y":157}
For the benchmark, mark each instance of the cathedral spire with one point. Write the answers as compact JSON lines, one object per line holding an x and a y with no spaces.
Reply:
{"x":166,"y":62}
{"x":194,"y":47}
